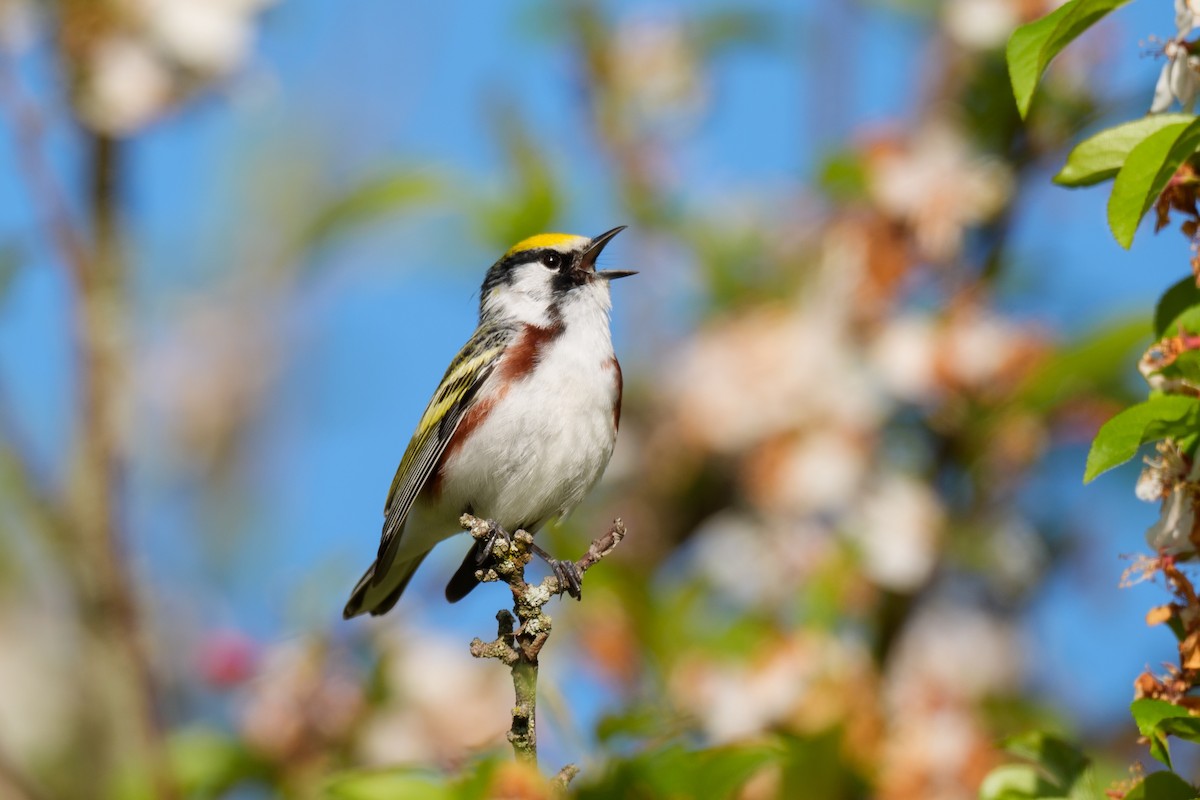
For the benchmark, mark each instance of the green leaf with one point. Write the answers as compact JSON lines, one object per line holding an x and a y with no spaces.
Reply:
{"x":387,"y":785}
{"x":371,"y":201}
{"x":675,"y":771}
{"x":1145,"y":174}
{"x":843,"y":176}
{"x":1120,"y":437}
{"x":1162,"y":786}
{"x":530,"y":201}
{"x":1179,"y":305}
{"x":1066,"y":766}
{"x":1034,"y":45}
{"x":208,"y":764}
{"x":1017,"y":782}
{"x":1100,"y":157}
{"x":725,"y":29}
{"x":1094,"y":365}
{"x":1157,"y":719}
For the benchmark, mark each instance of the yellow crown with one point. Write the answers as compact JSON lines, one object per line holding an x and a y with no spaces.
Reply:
{"x":555,"y":240}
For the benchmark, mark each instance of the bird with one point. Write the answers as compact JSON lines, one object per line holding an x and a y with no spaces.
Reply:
{"x":521,"y":426}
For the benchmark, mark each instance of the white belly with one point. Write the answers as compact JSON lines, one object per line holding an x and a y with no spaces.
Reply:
{"x":545,"y":443}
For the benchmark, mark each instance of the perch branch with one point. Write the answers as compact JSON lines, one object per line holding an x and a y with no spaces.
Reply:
{"x":522,"y":632}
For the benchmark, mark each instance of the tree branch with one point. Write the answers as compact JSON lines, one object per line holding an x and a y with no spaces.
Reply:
{"x":522,"y":632}
{"x":90,"y":527}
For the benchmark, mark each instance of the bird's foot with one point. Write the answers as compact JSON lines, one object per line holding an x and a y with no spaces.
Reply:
{"x":483,"y":552}
{"x":570,"y":579}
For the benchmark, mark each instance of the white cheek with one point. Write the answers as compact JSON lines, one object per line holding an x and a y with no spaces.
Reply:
{"x":526,"y":297}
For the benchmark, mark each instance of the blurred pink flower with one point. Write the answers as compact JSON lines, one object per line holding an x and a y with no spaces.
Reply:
{"x":227,"y":658}
{"x":302,"y":701}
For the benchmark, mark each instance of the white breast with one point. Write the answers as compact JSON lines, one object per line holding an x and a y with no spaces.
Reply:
{"x":549,"y":435}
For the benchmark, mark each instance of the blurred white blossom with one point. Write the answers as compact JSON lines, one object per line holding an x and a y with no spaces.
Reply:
{"x":904,"y":355}
{"x":36,"y":706}
{"x":957,"y":649}
{"x":764,"y":373}
{"x":18,"y":24}
{"x":126,"y":85}
{"x":804,"y":683}
{"x":819,"y":470}
{"x":757,"y":562}
{"x":980,"y":345}
{"x":980,"y":24}
{"x":898,"y":527}
{"x":208,"y":36}
{"x":301,"y":701}
{"x":441,"y":705}
{"x":948,"y":659}
{"x":656,"y":72}
{"x":206,"y":377}
{"x":939,"y":187}
{"x":160,"y":51}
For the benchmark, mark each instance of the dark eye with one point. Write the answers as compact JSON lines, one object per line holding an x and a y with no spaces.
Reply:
{"x":553,"y":260}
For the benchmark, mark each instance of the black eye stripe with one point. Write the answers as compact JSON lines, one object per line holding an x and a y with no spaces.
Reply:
{"x":544,"y":255}
{"x":501,"y":271}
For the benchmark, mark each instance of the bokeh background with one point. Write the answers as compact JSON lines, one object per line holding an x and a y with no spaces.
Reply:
{"x":241,"y":239}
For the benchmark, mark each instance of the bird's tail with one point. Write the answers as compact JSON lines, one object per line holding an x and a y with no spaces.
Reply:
{"x":378,"y":598}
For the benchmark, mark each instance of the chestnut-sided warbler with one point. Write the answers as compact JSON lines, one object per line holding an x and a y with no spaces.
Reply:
{"x":521,"y":426}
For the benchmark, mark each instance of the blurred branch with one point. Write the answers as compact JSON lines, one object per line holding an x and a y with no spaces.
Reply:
{"x":49,"y":200}
{"x":19,"y":477}
{"x":518,"y":647}
{"x":91,"y":528}
{"x":101,"y":461}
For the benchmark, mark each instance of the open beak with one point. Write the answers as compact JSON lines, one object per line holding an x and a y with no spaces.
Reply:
{"x":593,"y":251}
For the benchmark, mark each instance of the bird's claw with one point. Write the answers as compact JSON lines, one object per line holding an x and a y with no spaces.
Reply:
{"x":570,"y":579}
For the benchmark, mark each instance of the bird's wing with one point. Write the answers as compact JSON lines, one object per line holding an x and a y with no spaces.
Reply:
{"x":458,"y":389}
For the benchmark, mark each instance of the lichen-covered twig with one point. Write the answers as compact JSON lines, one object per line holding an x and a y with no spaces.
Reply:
{"x":522,"y":632}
